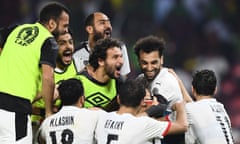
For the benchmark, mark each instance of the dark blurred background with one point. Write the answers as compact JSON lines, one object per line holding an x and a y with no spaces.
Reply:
{"x":199,"y":34}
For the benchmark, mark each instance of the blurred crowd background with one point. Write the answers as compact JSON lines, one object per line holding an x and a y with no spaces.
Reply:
{"x":199,"y":34}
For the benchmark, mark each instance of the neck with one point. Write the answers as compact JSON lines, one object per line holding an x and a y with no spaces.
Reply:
{"x":91,"y":43}
{"x":61,"y":67}
{"x":125,"y":109}
{"x":46,"y":26}
{"x":201,"y":97}
{"x":98,"y":74}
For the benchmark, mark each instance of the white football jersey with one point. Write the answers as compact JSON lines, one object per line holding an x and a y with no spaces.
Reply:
{"x":208,"y":123}
{"x":81,"y":57}
{"x":70,"y":125}
{"x":166,"y":85}
{"x":114,"y":128}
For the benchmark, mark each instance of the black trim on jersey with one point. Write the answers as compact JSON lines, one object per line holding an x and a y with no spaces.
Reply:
{"x":49,"y":52}
{"x":21,"y":121}
{"x":86,"y":74}
{"x":4,"y":32}
{"x":15,"y":104}
{"x":66,"y":68}
{"x":82,"y":45}
{"x":119,"y":80}
{"x":63,"y":71}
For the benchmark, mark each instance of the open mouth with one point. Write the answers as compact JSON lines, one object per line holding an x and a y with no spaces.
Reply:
{"x":67,"y":55}
{"x":118,"y":68}
{"x":107,"y":33}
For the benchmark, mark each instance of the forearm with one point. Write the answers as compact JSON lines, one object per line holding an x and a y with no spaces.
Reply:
{"x":184,"y":91}
{"x":48,"y":88}
{"x":38,"y":97}
{"x":187,"y":98}
{"x":47,"y":94}
{"x":181,"y":117}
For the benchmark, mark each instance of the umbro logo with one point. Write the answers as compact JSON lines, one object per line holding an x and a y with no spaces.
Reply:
{"x":97,"y":99}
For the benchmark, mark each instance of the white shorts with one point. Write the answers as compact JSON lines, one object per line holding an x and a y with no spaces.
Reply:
{"x":15,"y":128}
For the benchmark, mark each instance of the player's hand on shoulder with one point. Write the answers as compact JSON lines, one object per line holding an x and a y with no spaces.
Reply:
{"x":178,"y":105}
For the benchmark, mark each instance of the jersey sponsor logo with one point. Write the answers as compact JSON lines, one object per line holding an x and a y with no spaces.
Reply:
{"x":97,"y":99}
{"x":27,"y":35}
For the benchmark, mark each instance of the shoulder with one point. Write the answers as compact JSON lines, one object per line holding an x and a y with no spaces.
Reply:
{"x":196,"y":107}
{"x":47,"y":120}
{"x":50,"y":44}
{"x":167,"y":78}
{"x":83,"y":74}
{"x":81,"y":45}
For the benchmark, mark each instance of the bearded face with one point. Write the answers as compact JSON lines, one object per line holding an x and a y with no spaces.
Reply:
{"x":100,"y":35}
{"x":150,"y":64}
{"x":65,"y":58}
{"x":65,"y":51}
{"x":113,"y":62}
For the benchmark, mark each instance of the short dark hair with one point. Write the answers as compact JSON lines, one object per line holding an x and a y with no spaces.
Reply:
{"x":52,"y":10}
{"x":148,"y":44}
{"x":89,"y":20}
{"x":70,"y":91}
{"x":204,"y":82}
{"x":100,"y":50}
{"x":131,"y":93}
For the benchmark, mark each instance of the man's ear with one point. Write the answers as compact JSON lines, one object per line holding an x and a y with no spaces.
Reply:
{"x":143,"y":103}
{"x":215,"y":91}
{"x":101,"y":62}
{"x":162,"y":60}
{"x":193,"y":90}
{"x":81,"y":101}
{"x":89,"y":29}
{"x":118,"y":99}
{"x":52,"y":25}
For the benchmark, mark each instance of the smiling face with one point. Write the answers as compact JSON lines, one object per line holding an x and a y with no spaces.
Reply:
{"x":101,"y":26}
{"x":113,"y":62}
{"x":66,"y":48}
{"x":150,"y":64}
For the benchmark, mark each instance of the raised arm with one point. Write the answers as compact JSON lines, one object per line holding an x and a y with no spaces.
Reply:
{"x":186,"y":96}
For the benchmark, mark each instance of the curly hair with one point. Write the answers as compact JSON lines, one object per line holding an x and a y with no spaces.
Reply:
{"x":100,"y":50}
{"x":148,"y":44}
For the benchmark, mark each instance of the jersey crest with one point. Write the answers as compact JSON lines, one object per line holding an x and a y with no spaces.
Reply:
{"x":27,"y":35}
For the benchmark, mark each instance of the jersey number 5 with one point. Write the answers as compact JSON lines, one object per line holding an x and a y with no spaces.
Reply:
{"x":111,"y":137}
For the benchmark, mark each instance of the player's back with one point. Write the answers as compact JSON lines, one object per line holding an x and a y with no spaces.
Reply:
{"x":128,"y":129}
{"x":208,"y":122}
{"x":71,"y":125}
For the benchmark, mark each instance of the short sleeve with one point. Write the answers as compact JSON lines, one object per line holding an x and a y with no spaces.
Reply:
{"x":49,"y":52}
